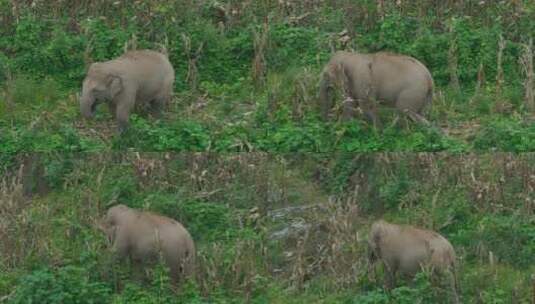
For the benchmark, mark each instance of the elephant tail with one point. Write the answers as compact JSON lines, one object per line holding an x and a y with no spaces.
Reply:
{"x":430,"y":89}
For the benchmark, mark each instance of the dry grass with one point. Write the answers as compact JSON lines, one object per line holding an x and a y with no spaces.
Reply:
{"x":304,"y":239}
{"x":192,"y":77}
{"x":259,"y":64}
{"x":526,"y":61}
{"x":453,"y":64}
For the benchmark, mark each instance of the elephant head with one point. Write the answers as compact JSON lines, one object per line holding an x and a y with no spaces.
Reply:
{"x":99,"y":85}
{"x":374,"y":241}
{"x":333,"y":78}
{"x":109,"y":223}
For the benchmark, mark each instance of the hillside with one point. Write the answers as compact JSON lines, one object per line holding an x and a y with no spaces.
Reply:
{"x":247,"y":73}
{"x":268,"y":228}
{"x":278,"y":200}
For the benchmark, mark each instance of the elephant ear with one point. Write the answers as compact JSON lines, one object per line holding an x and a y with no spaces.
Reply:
{"x":115,"y":85}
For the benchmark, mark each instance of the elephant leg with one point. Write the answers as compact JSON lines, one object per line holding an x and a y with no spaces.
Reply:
{"x":326,"y":104}
{"x":158,"y":104}
{"x":122,"y":114}
{"x":417,"y":118}
{"x":177,"y":272}
{"x":454,"y":286}
{"x":410,"y":102}
{"x":113,"y":108}
{"x":390,"y":276}
{"x":409,"y":106}
{"x":370,"y":112}
{"x":372,"y":272}
{"x":139,"y":270}
{"x":348,"y":109}
{"x":372,"y":117}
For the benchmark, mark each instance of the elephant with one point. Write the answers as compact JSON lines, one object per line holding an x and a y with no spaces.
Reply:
{"x":393,"y":80}
{"x":144,"y":236}
{"x":142,"y":77}
{"x":406,"y":250}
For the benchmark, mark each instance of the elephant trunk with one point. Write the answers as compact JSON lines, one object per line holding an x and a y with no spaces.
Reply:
{"x":325,"y":96}
{"x":87,"y":105}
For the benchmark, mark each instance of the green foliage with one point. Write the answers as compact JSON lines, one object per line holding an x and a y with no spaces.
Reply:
{"x":506,"y":134}
{"x":420,"y":291}
{"x":296,"y":46}
{"x":295,"y":137}
{"x":181,"y":136}
{"x":46,"y":49}
{"x":208,"y":221}
{"x":28,"y":92}
{"x":371,"y":297}
{"x":205,"y":221}
{"x":46,"y":46}
{"x":69,"y":284}
{"x":56,"y":54}
{"x":105,"y":42}
{"x":57,"y":169}
{"x":394,"y":188}
{"x":232,"y":231}
{"x":509,"y":238}
{"x":120,"y":186}
{"x":224,"y":62}
{"x":160,"y":289}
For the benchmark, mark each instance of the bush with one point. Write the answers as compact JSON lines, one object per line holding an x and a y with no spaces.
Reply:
{"x":508,"y":237}
{"x":421,"y":291}
{"x":69,"y":284}
{"x":182,"y":135}
{"x":207,"y":221}
{"x":506,"y":134}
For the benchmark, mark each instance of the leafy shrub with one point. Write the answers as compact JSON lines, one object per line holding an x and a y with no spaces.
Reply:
{"x":506,"y":134}
{"x":421,"y":291}
{"x":508,"y":237}
{"x":4,"y":68}
{"x":57,"y":169}
{"x":356,"y":136}
{"x":30,"y":92}
{"x":160,"y":289}
{"x":119,"y":186}
{"x":207,"y":221}
{"x":393,"y":189}
{"x":292,"y":137}
{"x":295,"y":46}
{"x":69,"y":284}
{"x":180,"y":136}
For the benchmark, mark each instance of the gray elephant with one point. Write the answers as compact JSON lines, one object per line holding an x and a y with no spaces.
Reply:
{"x":393,"y":80}
{"x":142,"y":77}
{"x":406,"y":250}
{"x":143,"y":236}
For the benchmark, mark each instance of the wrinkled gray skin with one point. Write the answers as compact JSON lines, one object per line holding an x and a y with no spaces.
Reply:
{"x":137,"y":77}
{"x":143,"y":236}
{"x":405,"y":250}
{"x":389,"y":79}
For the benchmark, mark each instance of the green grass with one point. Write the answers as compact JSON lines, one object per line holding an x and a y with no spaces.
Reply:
{"x":234,"y":205}
{"x":61,"y":172}
{"x":44,"y":62}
